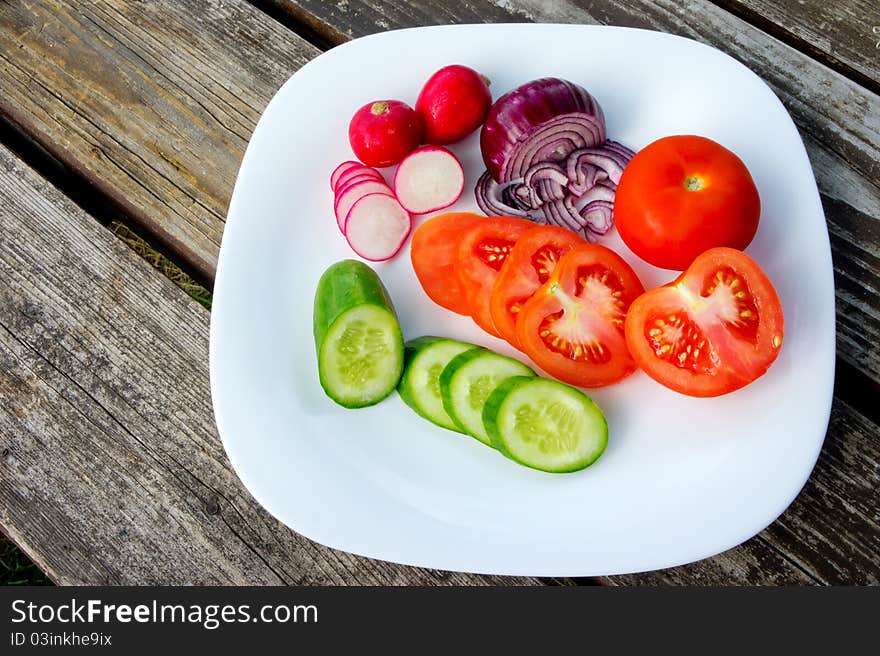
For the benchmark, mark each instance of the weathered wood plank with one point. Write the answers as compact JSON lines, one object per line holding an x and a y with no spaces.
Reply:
{"x":845,"y":34}
{"x":153,"y":102}
{"x":159,"y":114}
{"x":839,"y":120}
{"x":111,"y":470}
{"x":831,"y":532}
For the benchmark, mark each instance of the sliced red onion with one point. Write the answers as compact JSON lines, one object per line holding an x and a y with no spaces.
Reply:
{"x":542,"y":182}
{"x":547,"y":158}
{"x":491,"y":200}
{"x":584,"y":175}
{"x":516,"y":194}
{"x":599,"y":192}
{"x":541,"y":121}
{"x":615,"y":146}
{"x":587,"y":167}
{"x":563,"y":213}
{"x":597,"y":218}
{"x":553,"y":142}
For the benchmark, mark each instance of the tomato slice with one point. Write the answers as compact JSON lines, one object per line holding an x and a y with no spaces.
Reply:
{"x":481,"y":253}
{"x":528,"y":266}
{"x":572,"y":327}
{"x":714,"y":329}
{"x":433,"y":252}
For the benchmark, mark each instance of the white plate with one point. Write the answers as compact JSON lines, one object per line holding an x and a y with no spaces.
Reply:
{"x":682,"y":478}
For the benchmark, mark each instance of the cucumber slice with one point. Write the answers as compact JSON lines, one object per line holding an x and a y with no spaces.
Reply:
{"x":468,"y":380}
{"x":357,"y":336}
{"x":424,"y":360}
{"x":545,"y":424}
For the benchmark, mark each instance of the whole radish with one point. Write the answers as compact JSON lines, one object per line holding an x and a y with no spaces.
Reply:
{"x":381,"y":133}
{"x":453,"y":103}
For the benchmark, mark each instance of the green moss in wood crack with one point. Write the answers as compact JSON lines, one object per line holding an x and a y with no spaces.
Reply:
{"x":161,"y":263}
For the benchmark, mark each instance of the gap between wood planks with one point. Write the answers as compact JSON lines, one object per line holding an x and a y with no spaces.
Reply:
{"x":800,"y":44}
{"x":324,"y":36}
{"x":105,"y":209}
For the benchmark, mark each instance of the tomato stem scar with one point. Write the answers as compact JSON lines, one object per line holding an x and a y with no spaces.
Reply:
{"x":694,"y":183}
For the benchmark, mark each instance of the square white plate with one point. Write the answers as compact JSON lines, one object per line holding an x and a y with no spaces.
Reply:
{"x":682,"y":478}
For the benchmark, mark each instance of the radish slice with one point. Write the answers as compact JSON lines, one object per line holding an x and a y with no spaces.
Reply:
{"x":428,"y":179}
{"x":339,"y":170}
{"x":357,"y":172}
{"x":377,"y":227}
{"x":346,"y":182}
{"x":354,"y":193}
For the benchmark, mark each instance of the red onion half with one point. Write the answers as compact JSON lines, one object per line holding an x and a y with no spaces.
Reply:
{"x":542,"y":121}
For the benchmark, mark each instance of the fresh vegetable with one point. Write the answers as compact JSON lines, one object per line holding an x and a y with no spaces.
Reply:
{"x":468,"y":380}
{"x":428,"y":179}
{"x":542,"y":121}
{"x":529,"y":265}
{"x":381,"y":133}
{"x":682,"y":195}
{"x":481,"y":252}
{"x":572,"y":327}
{"x":545,"y":425}
{"x":714,"y":329}
{"x":547,"y":158}
{"x":357,"y":177}
{"x":433,"y":251}
{"x":577,"y":194}
{"x":339,"y":170}
{"x":357,"y":336}
{"x":425,"y":359}
{"x":453,"y":103}
{"x":377,"y":226}
{"x":358,"y":173}
{"x":352,"y":193}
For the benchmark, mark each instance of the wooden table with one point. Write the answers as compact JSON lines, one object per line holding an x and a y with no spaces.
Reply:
{"x":111,"y":471}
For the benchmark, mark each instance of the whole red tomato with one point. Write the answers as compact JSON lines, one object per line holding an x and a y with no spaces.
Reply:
{"x":682,"y":195}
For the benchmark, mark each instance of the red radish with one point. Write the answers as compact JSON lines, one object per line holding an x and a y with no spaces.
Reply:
{"x":383,"y":132}
{"x":377,"y":227}
{"x":453,"y":103}
{"x":353,"y":174}
{"x":428,"y":179}
{"x":353,"y":193}
{"x":339,"y":170}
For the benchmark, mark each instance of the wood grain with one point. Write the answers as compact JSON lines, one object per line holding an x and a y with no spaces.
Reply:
{"x":111,"y":470}
{"x":838,"y":119}
{"x":152,"y":102}
{"x":845,"y":34}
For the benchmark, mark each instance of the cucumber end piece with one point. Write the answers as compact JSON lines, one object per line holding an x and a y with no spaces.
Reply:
{"x":361,"y":359}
